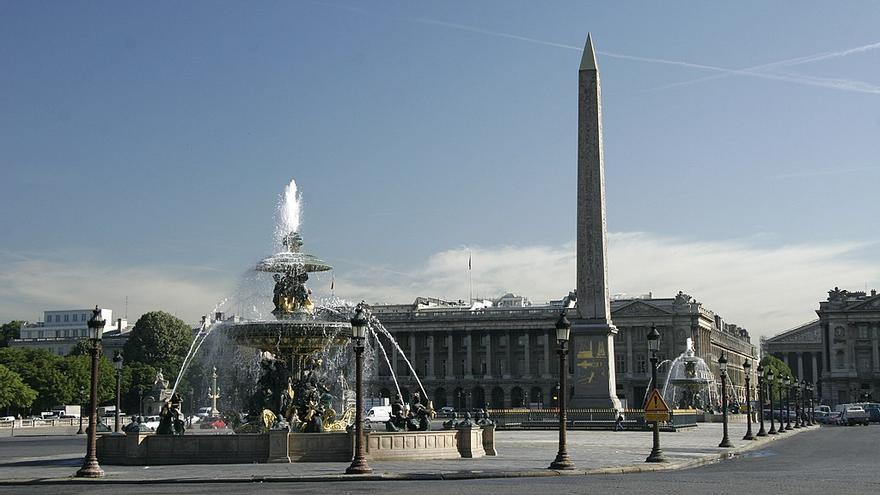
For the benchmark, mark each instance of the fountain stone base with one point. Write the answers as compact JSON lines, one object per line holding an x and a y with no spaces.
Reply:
{"x":144,"y":449}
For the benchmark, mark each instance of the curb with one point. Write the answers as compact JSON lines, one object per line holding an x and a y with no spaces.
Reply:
{"x":428,"y":476}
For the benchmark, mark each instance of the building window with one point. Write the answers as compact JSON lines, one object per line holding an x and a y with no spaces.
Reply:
{"x":863,"y":332}
{"x":40,"y":334}
{"x":66,"y":317}
{"x":841,"y":360}
{"x":620,"y":362}
{"x":641,"y":364}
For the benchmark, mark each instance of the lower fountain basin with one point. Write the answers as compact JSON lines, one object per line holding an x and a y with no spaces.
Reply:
{"x":146,"y":449}
{"x":299,"y":336}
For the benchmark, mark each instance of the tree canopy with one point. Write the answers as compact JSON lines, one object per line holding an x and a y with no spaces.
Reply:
{"x":780,"y":369}
{"x":14,"y":393}
{"x":159,"y":339}
{"x":9,"y":331}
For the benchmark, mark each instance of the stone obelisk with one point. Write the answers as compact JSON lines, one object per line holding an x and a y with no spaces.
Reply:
{"x":592,"y":332}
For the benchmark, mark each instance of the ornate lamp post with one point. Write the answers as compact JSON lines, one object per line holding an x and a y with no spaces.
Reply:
{"x":563,"y":329}
{"x":358,"y":336}
{"x":769,"y":381}
{"x":796,"y":403}
{"x":812,"y":411}
{"x":117,"y":364}
{"x":653,"y":346}
{"x":803,"y":389}
{"x":747,"y":366}
{"x":90,"y":467}
{"x":722,"y":366}
{"x":82,"y":409}
{"x":780,"y":384}
{"x":814,"y":390}
{"x":788,"y":403}
{"x":761,"y":431}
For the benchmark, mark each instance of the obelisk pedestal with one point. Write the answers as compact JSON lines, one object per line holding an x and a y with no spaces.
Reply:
{"x":592,"y":332}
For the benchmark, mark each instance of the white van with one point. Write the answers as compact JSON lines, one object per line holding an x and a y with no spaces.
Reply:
{"x":379,"y":414}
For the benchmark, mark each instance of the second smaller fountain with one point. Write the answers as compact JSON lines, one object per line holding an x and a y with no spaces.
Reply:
{"x":690,"y":383}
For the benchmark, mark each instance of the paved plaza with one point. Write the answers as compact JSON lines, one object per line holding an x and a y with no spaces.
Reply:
{"x":521,"y":453}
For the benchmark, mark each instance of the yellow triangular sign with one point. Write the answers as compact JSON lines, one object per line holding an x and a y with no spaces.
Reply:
{"x":655,"y":403}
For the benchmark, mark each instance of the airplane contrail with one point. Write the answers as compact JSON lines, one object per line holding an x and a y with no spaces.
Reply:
{"x":781,"y":63}
{"x":839,"y":84}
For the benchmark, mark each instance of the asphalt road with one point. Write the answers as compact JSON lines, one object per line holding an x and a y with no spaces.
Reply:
{"x":831,"y":460}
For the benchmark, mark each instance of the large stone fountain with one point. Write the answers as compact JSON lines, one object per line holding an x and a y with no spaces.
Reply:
{"x":289,"y":393}
{"x":290,"y":413}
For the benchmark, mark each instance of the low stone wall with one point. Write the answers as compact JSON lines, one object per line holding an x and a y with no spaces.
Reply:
{"x":152,"y":449}
{"x":440,"y":444}
{"x":280,"y":446}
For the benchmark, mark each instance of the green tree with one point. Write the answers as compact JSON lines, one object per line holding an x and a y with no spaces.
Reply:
{"x":160,"y":340}
{"x":9,"y":331}
{"x":43,"y":372}
{"x":78,"y":369}
{"x":15,"y":395}
{"x":780,"y":369}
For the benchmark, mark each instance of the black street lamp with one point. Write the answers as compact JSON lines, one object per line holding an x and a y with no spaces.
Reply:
{"x":563,"y":329}
{"x":812,"y":414}
{"x":769,"y":381}
{"x":359,"y":324}
{"x":788,"y":403}
{"x":82,"y":409}
{"x":761,"y":431}
{"x":803,"y":392}
{"x":117,"y":364}
{"x":747,"y":366}
{"x":780,"y":384}
{"x":90,"y":467}
{"x":722,"y":367}
{"x":654,"y":346}
{"x":796,"y":403}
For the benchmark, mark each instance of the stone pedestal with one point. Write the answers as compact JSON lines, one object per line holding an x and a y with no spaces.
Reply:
{"x":470,"y":442}
{"x":489,"y":440}
{"x":592,"y":353}
{"x":279,"y":446}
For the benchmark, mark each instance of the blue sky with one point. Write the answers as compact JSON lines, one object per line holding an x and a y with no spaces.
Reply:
{"x":144,"y":146}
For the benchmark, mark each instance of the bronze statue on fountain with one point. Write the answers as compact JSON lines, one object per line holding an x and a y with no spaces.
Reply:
{"x":415,"y":418}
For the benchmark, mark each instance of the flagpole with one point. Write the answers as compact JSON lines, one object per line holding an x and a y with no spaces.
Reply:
{"x":470,"y":281}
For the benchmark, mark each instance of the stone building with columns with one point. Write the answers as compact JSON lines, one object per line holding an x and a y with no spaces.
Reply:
{"x":840,"y":351}
{"x":470,"y":355}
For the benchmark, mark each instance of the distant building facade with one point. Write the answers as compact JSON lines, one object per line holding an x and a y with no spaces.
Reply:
{"x":840,"y":351}
{"x":60,"y":330}
{"x":503,"y":352}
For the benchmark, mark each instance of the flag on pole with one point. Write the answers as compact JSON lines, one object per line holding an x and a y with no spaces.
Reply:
{"x":332,"y":282}
{"x":469,"y":261}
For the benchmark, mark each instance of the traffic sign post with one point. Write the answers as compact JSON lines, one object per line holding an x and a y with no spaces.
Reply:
{"x":656,"y":408}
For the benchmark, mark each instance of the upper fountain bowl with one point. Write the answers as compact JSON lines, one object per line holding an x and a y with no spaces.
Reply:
{"x":292,"y":260}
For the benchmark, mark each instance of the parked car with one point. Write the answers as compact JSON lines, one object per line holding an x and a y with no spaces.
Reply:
{"x":151,"y":422}
{"x":7,"y":418}
{"x":854,"y":415}
{"x":832,"y":418}
{"x":873,"y":414}
{"x":212,"y":423}
{"x":447,"y":411}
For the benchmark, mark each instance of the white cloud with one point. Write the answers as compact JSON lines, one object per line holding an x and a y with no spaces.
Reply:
{"x":765,"y":289}
{"x":29,"y":286}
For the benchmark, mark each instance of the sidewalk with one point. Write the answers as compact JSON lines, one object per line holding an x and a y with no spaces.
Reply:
{"x":521,"y":454}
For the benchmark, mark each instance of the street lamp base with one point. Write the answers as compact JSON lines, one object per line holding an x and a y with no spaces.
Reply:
{"x":725,"y":443}
{"x":761,"y":434}
{"x":749,"y":436}
{"x":562,"y":462}
{"x":656,"y":456}
{"x":90,"y":469}
{"x":359,"y":466}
